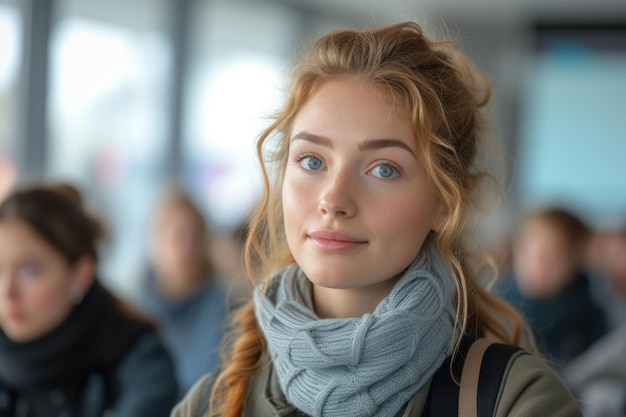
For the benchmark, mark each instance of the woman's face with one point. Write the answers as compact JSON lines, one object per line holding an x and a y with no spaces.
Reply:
{"x":178,"y":247}
{"x":357,"y":202}
{"x":543,"y":260}
{"x":35,"y":283}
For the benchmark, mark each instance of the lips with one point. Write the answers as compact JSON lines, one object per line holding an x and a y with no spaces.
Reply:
{"x":335,"y":242}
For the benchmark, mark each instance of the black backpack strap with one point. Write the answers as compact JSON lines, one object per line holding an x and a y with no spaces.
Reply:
{"x":443,"y":397}
{"x":494,"y":368}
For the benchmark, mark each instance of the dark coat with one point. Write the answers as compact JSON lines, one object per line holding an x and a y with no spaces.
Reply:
{"x":530,"y":388}
{"x":145,"y":388}
{"x":99,"y":362}
{"x":565,"y":325}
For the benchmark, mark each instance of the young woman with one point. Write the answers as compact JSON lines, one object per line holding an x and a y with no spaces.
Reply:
{"x":183,"y":292}
{"x":67,"y":346}
{"x":361,"y":242}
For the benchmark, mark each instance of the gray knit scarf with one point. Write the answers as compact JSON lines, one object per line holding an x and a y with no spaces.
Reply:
{"x":368,"y":366}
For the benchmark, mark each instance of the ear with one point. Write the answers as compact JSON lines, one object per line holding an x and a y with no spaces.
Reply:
{"x":84,"y":274}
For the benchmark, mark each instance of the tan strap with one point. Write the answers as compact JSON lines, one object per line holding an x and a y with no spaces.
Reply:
{"x":468,"y":392}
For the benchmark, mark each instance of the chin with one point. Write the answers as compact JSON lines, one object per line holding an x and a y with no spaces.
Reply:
{"x":333,"y":285}
{"x":327,"y":280}
{"x":19,"y":336}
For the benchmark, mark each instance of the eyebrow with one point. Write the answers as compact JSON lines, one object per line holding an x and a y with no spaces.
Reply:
{"x":367,"y":145}
{"x":374,"y":144}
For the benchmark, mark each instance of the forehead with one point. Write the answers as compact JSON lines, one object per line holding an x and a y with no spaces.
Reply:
{"x":17,"y":237}
{"x":540,"y":228}
{"x":349,"y":103}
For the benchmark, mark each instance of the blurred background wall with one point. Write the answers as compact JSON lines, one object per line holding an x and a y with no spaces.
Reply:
{"x":123,"y":97}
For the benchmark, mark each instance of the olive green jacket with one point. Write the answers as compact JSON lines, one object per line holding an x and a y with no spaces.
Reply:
{"x":530,"y":389}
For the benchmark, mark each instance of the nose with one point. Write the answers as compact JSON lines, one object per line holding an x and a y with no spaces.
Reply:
{"x":8,"y":286}
{"x":338,"y":196}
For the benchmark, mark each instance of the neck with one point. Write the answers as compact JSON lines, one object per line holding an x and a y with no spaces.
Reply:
{"x":341,"y":303}
{"x":180,"y":288}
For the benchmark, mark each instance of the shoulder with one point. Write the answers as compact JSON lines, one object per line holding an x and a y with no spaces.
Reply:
{"x":264,"y":396}
{"x":148,"y":350}
{"x":532,"y":388}
{"x":147,"y":383}
{"x":196,"y":402}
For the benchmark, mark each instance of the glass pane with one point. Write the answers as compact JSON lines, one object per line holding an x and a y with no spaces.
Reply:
{"x":109,"y":76}
{"x":10,"y":36}
{"x":238,"y":63}
{"x":573,"y":140}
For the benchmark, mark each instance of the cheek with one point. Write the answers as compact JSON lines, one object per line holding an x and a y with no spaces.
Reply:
{"x":413,"y":219}
{"x":414,"y":232}
{"x":295,"y":202}
{"x":48,"y":300}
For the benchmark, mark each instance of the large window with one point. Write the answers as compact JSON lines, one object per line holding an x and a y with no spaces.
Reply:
{"x":109,"y":68}
{"x":573,"y":146}
{"x":238,"y":58}
{"x":10,"y":55}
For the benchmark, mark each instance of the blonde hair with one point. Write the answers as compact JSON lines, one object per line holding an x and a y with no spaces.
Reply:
{"x":444,"y":95}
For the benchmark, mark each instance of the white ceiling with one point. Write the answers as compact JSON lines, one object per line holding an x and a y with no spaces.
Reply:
{"x":393,"y":10}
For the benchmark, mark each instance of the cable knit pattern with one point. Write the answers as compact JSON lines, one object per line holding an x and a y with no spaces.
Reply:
{"x":368,"y":366}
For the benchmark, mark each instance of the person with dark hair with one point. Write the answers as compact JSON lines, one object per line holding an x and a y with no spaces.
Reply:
{"x":368,"y":291}
{"x":549,"y":284}
{"x":182,"y":291}
{"x":68,"y":346}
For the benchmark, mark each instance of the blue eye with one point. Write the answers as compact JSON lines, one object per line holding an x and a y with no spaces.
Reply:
{"x":385,"y":171}
{"x":311,"y":163}
{"x":30,"y":270}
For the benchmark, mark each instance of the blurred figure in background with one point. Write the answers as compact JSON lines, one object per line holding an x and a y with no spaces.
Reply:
{"x":598,"y":376}
{"x":227,"y":255}
{"x":550,"y":287}
{"x":183,"y":291}
{"x":68,"y":347}
{"x":607,"y":262}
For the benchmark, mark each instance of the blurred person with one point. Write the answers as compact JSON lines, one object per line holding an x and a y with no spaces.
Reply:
{"x":549,"y":285}
{"x":183,"y":292}
{"x":367,"y":289}
{"x":69,"y":347}
{"x":598,"y":375}
{"x":607,"y":262}
{"x":227,"y":254}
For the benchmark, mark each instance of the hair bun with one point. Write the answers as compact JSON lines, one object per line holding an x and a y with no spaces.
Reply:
{"x":72,"y":193}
